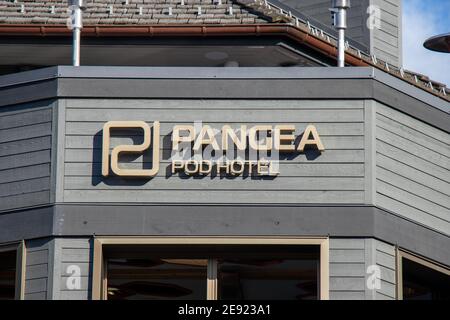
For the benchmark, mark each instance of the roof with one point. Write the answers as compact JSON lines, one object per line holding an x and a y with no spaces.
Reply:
{"x":125,"y":13}
{"x":129,"y":12}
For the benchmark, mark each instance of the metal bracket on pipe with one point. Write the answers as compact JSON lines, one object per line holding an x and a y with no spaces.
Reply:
{"x":76,"y":24}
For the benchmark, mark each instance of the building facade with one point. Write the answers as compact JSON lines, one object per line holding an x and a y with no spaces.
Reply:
{"x":337,"y":186}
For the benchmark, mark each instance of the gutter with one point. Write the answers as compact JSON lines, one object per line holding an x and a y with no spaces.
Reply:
{"x":185,"y":31}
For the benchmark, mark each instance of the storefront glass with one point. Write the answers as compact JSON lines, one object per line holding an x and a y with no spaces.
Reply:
{"x":156,"y":279}
{"x":422,"y":283}
{"x":259,"y":279}
{"x":7,"y":275}
{"x":241,"y":271}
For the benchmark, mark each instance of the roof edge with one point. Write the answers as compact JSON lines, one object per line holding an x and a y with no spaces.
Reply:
{"x":357,"y":82}
{"x":301,"y":34}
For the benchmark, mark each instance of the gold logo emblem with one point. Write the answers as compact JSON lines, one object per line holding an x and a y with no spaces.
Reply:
{"x":130,"y":149}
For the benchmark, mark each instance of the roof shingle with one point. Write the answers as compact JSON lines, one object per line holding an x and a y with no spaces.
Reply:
{"x":118,"y":12}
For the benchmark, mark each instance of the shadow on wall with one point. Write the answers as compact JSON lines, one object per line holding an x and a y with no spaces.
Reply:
{"x":127,"y":160}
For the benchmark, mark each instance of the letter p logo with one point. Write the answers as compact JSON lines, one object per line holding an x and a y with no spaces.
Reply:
{"x":130,"y":148}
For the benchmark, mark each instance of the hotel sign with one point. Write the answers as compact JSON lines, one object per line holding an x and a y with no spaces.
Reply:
{"x":201,"y":149}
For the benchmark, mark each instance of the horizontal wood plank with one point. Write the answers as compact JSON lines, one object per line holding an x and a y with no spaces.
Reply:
{"x":213,"y":196}
{"x":217,"y":183}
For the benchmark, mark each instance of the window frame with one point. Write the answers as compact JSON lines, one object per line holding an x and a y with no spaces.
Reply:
{"x":99,"y":276}
{"x":404,"y":254}
{"x":20,"y":249}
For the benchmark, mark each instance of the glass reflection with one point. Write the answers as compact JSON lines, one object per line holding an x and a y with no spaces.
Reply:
{"x":422,"y":283}
{"x":262,"y":279}
{"x":154,"y":279}
{"x":7,"y":275}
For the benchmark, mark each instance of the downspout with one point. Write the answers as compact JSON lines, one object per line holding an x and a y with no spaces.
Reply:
{"x":76,"y":24}
{"x":339,"y":10}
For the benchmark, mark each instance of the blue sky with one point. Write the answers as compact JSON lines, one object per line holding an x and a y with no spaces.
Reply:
{"x":421,"y":20}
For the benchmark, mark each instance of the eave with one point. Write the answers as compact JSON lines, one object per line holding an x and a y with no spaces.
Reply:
{"x":297,"y":33}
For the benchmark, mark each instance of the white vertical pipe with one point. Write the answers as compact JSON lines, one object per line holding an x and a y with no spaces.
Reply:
{"x":341,"y":26}
{"x":76,"y":47}
{"x":340,"y":23}
{"x":77,"y":25}
{"x":341,"y":48}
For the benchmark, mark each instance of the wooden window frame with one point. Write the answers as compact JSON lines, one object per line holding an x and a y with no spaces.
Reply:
{"x":20,"y":249}
{"x":401,"y":253}
{"x":99,"y":277}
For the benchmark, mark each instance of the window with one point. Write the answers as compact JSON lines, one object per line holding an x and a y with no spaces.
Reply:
{"x":422,"y":279}
{"x":259,"y":273}
{"x":156,"y":278}
{"x":11,"y":272}
{"x":227,"y":271}
{"x":7,"y":275}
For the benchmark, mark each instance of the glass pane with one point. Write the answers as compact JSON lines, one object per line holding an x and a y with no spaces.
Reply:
{"x":153,"y":279}
{"x":7,"y":275}
{"x":422,"y":283}
{"x":260,"y":279}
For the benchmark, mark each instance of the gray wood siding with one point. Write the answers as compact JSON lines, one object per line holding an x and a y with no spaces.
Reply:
{"x":413,"y":169}
{"x":336,"y":176}
{"x":382,"y":255}
{"x":38,"y":265}
{"x":349,"y":262}
{"x":385,"y":42}
{"x":347,"y":269}
{"x":25,"y":155}
{"x":46,"y":268}
{"x":72,"y":252}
